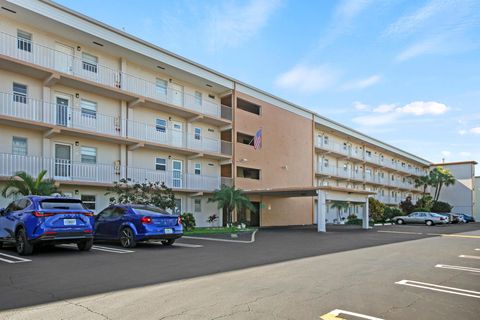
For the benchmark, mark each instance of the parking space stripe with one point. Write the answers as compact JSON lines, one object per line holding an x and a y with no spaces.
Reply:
{"x":334,"y":314}
{"x":469,"y":257}
{"x":187,"y":245}
{"x":455,"y":235}
{"x":446,"y":266}
{"x":101,"y":248}
{"x":435,"y":287}
{"x":15,"y":259}
{"x":400,"y":232}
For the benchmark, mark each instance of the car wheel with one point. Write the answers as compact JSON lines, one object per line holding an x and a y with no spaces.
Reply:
{"x":168,"y":242}
{"x":24,"y":247}
{"x":400,"y":221}
{"x":429,"y":223}
{"x":127,"y":238}
{"x":85,"y":245}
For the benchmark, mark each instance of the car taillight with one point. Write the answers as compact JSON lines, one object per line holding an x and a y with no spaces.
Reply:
{"x":39,"y":214}
{"x":88,"y":214}
{"x":146,"y":220}
{"x":179,"y":220}
{"x":87,"y":231}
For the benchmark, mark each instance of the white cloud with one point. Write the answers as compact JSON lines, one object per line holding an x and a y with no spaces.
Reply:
{"x":465,"y":154}
{"x":362,"y":83}
{"x":361,"y":106}
{"x":475,"y":130}
{"x":231,"y":24}
{"x":388,"y":113}
{"x":420,"y":48}
{"x":308,"y":79}
{"x":446,"y":153}
{"x":462,"y":132}
{"x":349,"y":9}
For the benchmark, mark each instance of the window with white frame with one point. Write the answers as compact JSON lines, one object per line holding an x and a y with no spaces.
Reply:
{"x":88,"y":155}
{"x":161,"y":86}
{"x":89,"y":62}
{"x":198,"y":98}
{"x":345,"y":166}
{"x":19,"y":146}
{"x":19,"y":93}
{"x":197,"y":205}
{"x":161,"y":125}
{"x":344,"y":146}
{"x":88,"y":109}
{"x":198,"y":133}
{"x":198,"y":168}
{"x":325,"y":163}
{"x":89,"y":201}
{"x":160,"y":164}
{"x":24,"y":41}
{"x":325,"y":139}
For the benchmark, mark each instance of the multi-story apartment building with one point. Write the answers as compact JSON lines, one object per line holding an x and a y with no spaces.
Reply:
{"x":92,"y":105}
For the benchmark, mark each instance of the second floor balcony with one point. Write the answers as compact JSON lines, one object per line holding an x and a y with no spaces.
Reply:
{"x":64,"y":116}
{"x":67,"y":171}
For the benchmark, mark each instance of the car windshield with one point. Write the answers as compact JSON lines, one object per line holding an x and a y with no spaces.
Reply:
{"x":436,"y":215}
{"x":62,"y":204}
{"x":150,"y":211}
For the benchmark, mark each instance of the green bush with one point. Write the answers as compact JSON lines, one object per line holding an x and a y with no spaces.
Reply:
{"x":188,"y":221}
{"x":425,"y":202}
{"x":407,"y":206}
{"x":376,"y":210}
{"x":391,"y":212}
{"x":422,"y":209}
{"x":441,"y":207}
{"x":352,"y":219}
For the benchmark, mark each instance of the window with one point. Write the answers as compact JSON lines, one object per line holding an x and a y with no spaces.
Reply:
{"x":19,"y":146}
{"x":345,"y":167}
{"x":89,"y":109}
{"x":178,"y":206}
{"x":19,"y":93}
{"x":344,"y":146}
{"x":197,"y":205}
{"x":248,"y":106}
{"x":198,"y":168}
{"x":244,"y":138}
{"x":161,"y":125}
{"x":161,"y":164}
{"x":393,"y":177}
{"x":325,"y":140}
{"x":368,"y":153}
{"x":89,"y":62}
{"x":198,"y":98}
{"x":161,"y":86}
{"x":325,"y":163}
{"x":248,"y":173}
{"x":368,"y":171}
{"x":88,"y":201}
{"x":198,"y":134}
{"x":89,"y":155}
{"x":24,"y":41}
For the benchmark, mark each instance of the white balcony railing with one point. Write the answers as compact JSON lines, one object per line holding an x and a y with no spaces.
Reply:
{"x":73,"y":117}
{"x":50,"y":58}
{"x":66,"y":170}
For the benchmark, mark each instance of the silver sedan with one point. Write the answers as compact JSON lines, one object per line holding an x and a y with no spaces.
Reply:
{"x":428,"y":218}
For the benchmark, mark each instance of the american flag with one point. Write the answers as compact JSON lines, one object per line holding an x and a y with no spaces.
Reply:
{"x":257,"y":141}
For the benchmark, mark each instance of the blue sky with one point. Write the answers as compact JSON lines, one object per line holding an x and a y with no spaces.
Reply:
{"x":405,"y":72}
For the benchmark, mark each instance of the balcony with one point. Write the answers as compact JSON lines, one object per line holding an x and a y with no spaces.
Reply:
{"x":66,"y":171}
{"x":57,"y":115}
{"x":70,"y":65}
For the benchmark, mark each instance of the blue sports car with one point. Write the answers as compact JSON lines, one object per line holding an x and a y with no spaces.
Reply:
{"x":134,"y":223}
{"x":35,"y":220}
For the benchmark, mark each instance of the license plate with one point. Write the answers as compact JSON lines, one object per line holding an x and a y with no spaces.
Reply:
{"x":69,"y":222}
{"x":168,"y":231}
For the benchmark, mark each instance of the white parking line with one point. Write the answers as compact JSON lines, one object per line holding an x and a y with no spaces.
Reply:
{"x":469,"y":257}
{"x":435,"y":287}
{"x":15,"y":259}
{"x":101,"y":248}
{"x":334,"y":314}
{"x":187,"y":245}
{"x":446,"y":266}
{"x":252,"y":239}
{"x":401,"y":232}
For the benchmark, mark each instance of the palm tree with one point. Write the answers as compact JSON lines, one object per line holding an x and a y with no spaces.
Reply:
{"x":24,"y":184}
{"x":229,"y":199}
{"x":339,"y":205}
{"x":423,"y":181}
{"x":440,"y":177}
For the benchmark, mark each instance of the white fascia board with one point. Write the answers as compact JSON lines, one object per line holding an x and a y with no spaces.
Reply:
{"x":358,"y":135}
{"x":278,"y":102}
{"x":96,"y":28}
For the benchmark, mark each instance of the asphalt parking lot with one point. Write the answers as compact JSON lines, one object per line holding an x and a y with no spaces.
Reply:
{"x":409,"y":272}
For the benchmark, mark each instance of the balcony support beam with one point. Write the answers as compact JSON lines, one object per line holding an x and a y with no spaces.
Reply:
{"x":195,"y":156}
{"x":197,"y":194}
{"x":136,"y":102}
{"x":51,"y":80}
{"x":136,"y":146}
{"x":196,"y":118}
{"x":51,"y":133}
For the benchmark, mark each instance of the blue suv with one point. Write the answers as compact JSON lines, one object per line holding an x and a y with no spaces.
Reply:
{"x":36,"y":220}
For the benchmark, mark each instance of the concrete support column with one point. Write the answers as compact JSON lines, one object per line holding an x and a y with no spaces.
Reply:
{"x":48,"y":109}
{"x":123,"y":118}
{"x":365,"y":215}
{"x":321,"y":211}
{"x":123,"y":161}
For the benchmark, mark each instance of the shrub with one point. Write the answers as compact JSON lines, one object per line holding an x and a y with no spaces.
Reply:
{"x":407,"y":205}
{"x":425,"y":202}
{"x":376,"y":210}
{"x":391,"y":212}
{"x":213,"y":218}
{"x":352,"y":219}
{"x":441,"y":207}
{"x":188,"y":221}
{"x":422,"y":209}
